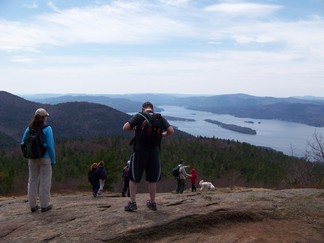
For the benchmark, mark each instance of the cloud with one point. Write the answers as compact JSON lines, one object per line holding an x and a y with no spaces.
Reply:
{"x":21,"y":59}
{"x":32,"y":5}
{"x":248,"y":10}
{"x":53,"y":6}
{"x":175,"y":2}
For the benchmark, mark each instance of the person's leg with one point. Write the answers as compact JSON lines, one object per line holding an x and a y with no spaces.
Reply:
{"x":45,"y":180}
{"x":152,"y":191}
{"x":131,"y":206}
{"x":136,"y":169}
{"x":133,"y":190}
{"x":127,"y":189}
{"x":33,"y":182}
{"x":124,"y":187}
{"x":178,"y":186}
{"x":96,"y":188}
{"x":102,"y":182}
{"x":182,"y":185}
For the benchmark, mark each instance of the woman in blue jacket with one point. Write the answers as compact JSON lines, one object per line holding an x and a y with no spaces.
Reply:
{"x":40,"y":169}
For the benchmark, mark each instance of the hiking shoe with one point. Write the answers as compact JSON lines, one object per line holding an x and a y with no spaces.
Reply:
{"x":131,"y":206}
{"x":34,"y":209}
{"x":151,"y":205}
{"x":49,"y":207}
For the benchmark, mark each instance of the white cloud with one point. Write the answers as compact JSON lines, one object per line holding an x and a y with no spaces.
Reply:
{"x":175,"y":2}
{"x":249,"y":10}
{"x":53,"y":6}
{"x":32,"y":5}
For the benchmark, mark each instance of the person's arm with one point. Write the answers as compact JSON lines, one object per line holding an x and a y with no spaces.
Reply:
{"x":168,"y":132}
{"x":130,"y":125}
{"x":50,"y":144}
{"x":127,"y":127}
{"x":185,"y":172}
{"x":24,"y":136}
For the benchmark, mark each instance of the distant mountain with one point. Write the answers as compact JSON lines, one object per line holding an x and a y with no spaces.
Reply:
{"x":301,"y":110}
{"x":72,"y":119}
{"x":310,"y":112}
{"x":69,"y":119}
{"x":121,"y":104}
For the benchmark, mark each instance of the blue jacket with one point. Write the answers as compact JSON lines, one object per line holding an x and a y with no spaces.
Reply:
{"x":49,"y":143}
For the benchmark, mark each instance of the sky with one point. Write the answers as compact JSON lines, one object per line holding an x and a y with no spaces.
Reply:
{"x":204,"y":47}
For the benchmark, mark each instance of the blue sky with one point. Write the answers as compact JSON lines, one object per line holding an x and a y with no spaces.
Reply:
{"x":263,"y":48}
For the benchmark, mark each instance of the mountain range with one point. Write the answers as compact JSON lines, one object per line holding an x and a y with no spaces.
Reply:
{"x":71,"y":119}
{"x":85,"y":116}
{"x":293,"y":109}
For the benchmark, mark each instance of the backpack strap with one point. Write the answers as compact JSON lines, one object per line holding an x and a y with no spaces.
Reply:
{"x":132,"y":142}
{"x":142,"y":115}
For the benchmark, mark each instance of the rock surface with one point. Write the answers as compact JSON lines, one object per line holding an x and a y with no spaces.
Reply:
{"x":223,"y":215}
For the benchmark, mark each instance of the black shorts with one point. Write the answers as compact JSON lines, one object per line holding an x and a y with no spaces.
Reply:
{"x":147,"y":160}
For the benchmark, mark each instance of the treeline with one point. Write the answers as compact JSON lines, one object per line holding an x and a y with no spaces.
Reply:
{"x":225,"y":162}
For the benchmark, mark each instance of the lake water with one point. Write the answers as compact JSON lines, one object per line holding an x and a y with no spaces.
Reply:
{"x":289,"y":137}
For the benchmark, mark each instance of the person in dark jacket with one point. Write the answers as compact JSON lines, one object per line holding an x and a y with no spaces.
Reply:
{"x":93,"y":178}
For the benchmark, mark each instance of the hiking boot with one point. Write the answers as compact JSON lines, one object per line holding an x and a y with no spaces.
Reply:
{"x":49,"y":207}
{"x":34,"y":209}
{"x":131,"y":206}
{"x":151,"y":205}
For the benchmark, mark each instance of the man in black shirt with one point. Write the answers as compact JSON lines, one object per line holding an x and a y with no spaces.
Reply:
{"x":146,"y":157}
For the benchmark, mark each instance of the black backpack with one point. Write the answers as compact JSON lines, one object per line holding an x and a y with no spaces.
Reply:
{"x":33,"y":147}
{"x":176,"y":171}
{"x":149,"y":134}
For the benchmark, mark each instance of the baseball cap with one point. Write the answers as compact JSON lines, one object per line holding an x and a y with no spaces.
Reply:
{"x":41,"y":112}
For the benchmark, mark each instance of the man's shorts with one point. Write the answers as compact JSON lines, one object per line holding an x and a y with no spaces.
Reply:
{"x":147,"y":160}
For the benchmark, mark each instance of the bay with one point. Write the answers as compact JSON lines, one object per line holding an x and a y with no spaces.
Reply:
{"x":288,"y":137}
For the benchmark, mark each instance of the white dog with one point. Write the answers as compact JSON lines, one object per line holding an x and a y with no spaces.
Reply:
{"x":208,"y":185}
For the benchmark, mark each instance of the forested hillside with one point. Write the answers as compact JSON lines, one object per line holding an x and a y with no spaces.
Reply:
{"x":224,"y":162}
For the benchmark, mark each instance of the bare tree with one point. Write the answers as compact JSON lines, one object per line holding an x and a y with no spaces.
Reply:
{"x":315,"y":149}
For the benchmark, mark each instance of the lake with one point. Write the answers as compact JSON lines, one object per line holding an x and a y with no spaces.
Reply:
{"x":289,"y":137}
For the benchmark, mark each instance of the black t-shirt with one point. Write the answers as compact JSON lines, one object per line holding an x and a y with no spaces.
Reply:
{"x":137,"y":120}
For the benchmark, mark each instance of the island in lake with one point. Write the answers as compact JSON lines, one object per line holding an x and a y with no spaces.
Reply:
{"x":172,"y":118}
{"x":232,"y":127}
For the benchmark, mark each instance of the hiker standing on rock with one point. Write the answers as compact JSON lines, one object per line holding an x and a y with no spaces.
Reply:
{"x":181,"y":180}
{"x":193,"y":178}
{"x":149,"y":129}
{"x":41,"y":157}
{"x":93,"y":178}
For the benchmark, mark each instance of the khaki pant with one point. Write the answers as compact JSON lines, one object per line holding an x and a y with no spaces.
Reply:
{"x":40,"y":180}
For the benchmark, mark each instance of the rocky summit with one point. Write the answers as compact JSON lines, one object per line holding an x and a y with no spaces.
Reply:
{"x":223,"y":215}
